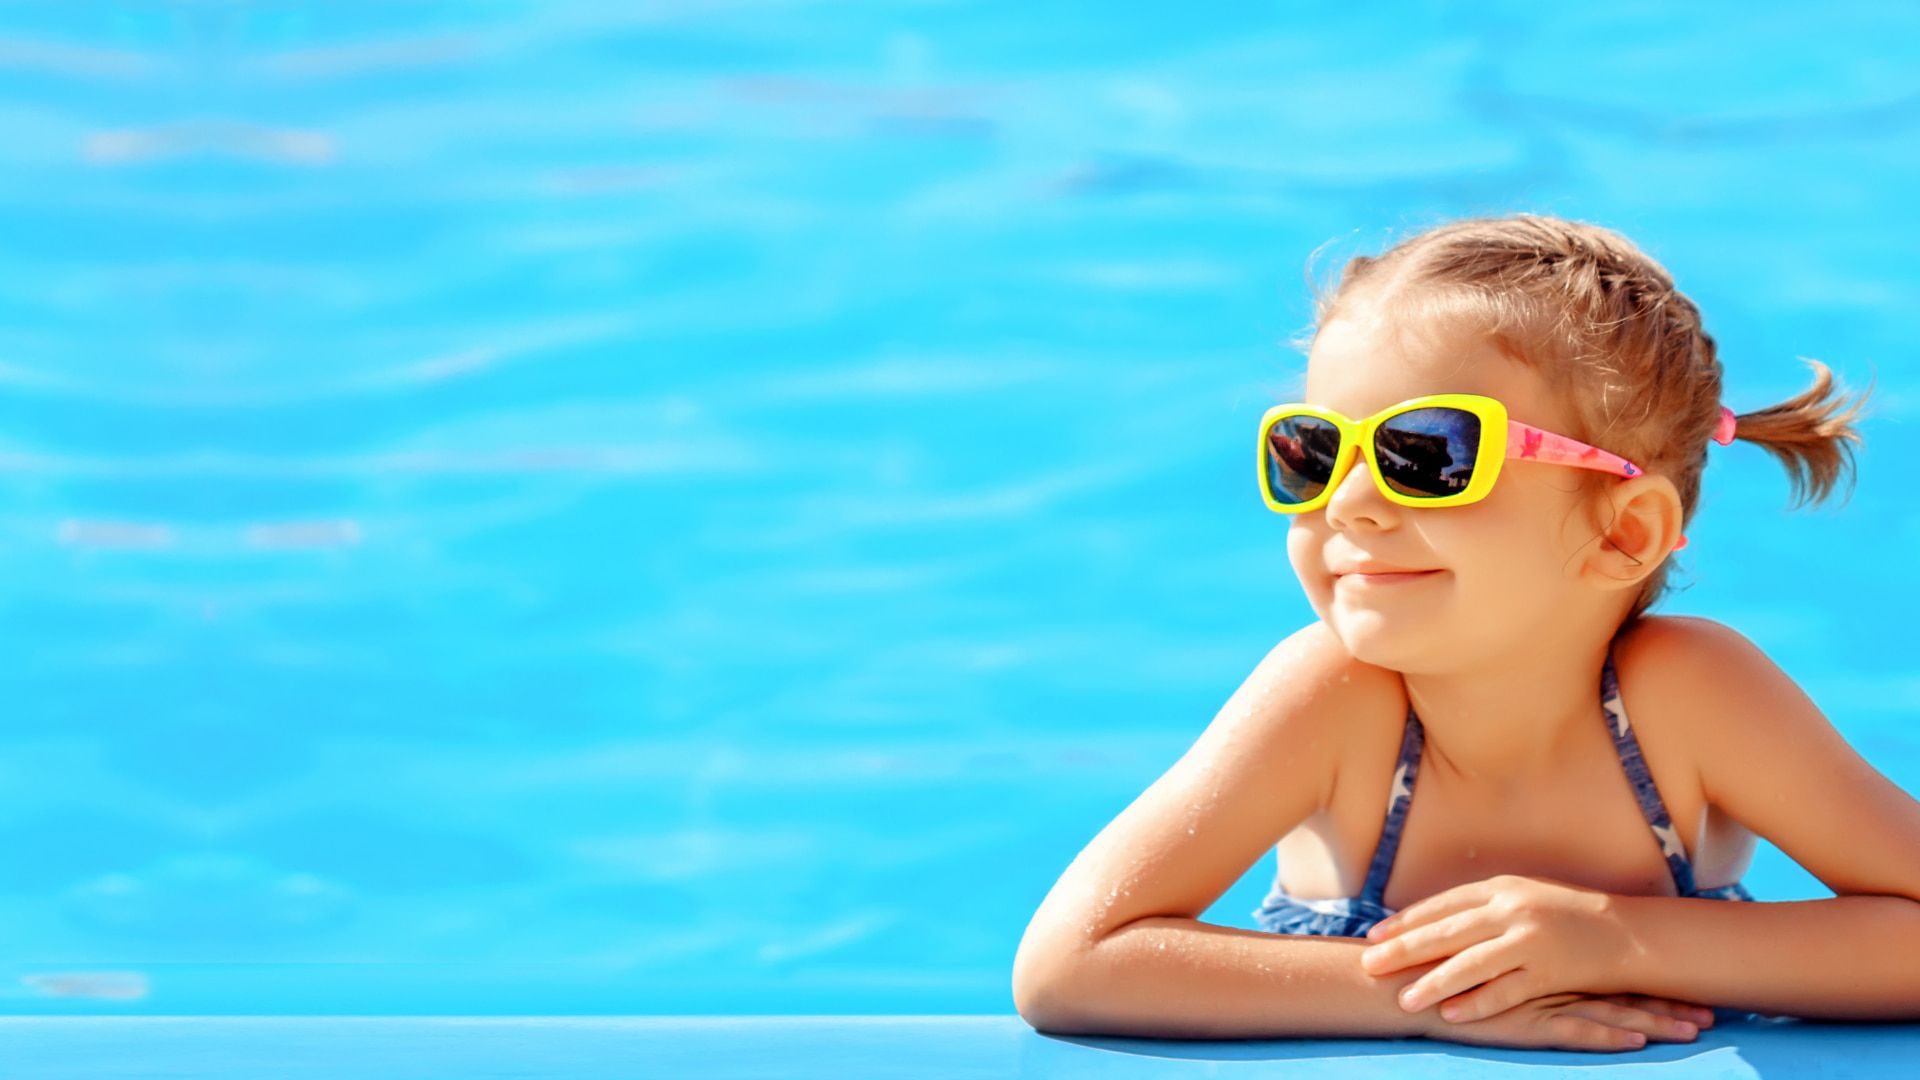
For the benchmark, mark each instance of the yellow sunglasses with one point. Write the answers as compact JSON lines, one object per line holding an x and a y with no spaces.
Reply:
{"x":1430,"y":451}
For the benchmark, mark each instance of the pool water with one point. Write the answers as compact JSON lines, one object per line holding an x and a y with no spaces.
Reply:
{"x":706,"y":508}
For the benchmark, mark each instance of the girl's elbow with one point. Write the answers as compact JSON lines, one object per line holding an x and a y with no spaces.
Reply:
{"x":1040,"y":993}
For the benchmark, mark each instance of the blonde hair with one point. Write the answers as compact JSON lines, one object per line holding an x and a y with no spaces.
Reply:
{"x":1603,"y":323}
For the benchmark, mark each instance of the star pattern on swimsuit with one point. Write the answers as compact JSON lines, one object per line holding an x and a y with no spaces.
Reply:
{"x":1669,"y":840}
{"x":1400,"y":788}
{"x":1614,"y":709}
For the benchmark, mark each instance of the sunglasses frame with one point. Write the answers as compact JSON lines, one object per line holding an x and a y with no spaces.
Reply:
{"x":1501,"y":437}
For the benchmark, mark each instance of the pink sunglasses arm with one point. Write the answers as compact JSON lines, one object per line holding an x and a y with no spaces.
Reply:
{"x":1527,"y":441}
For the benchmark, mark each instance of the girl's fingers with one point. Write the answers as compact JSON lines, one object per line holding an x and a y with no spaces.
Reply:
{"x":1700,"y":1015}
{"x":1580,"y":1033}
{"x":1632,"y":1018}
{"x":1686,"y":1010}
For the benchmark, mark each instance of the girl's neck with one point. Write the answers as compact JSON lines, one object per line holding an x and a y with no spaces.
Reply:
{"x":1510,"y":723}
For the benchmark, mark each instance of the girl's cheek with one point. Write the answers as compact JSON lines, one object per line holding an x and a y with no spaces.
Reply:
{"x":1303,"y":557}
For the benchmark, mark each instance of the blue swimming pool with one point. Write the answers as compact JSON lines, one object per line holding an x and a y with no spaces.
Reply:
{"x":576,"y":508}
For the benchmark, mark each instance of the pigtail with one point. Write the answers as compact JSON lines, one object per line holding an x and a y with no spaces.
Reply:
{"x":1810,"y":436}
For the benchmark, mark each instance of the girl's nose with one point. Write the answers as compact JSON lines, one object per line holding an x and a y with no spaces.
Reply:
{"x":1352,"y":470}
{"x":1356,"y":497}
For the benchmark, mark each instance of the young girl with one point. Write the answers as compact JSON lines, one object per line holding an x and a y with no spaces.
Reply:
{"x":1510,"y":807}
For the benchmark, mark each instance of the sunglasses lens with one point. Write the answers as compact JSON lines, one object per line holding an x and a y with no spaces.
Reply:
{"x":1428,"y":453}
{"x":1301,"y":451}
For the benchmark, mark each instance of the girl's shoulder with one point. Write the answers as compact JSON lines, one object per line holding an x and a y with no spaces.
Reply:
{"x":1674,"y":672}
{"x":1669,"y":668}
{"x":1768,"y":757}
{"x":1681,"y":666}
{"x":1358,"y":704}
{"x":1668,"y":655}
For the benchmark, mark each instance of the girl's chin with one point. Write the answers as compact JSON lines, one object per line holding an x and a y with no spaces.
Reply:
{"x":1381,"y":630}
{"x":1384,"y":645}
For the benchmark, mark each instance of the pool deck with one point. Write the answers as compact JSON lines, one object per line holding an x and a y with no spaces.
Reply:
{"x":720,"y":1047}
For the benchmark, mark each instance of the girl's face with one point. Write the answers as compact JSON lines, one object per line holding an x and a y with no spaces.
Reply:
{"x":1505,"y":566}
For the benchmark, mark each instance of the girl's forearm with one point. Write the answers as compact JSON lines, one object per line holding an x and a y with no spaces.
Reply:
{"x":1176,"y":978}
{"x":1844,"y":958}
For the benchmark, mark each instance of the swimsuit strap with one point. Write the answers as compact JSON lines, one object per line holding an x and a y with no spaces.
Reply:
{"x":1399,"y":798}
{"x":1614,"y":711}
{"x":1651,"y":806}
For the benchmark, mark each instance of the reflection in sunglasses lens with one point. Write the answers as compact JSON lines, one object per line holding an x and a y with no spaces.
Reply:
{"x":1301,"y":451}
{"x":1428,"y":453}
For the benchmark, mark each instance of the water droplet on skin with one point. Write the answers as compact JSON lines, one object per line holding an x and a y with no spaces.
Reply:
{"x":1189,"y":830}
{"x":1162,"y":946}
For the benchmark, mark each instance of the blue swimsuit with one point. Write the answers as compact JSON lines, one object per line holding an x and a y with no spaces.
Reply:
{"x":1352,"y":916}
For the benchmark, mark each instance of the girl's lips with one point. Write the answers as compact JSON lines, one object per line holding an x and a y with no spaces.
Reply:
{"x":1388,"y":579}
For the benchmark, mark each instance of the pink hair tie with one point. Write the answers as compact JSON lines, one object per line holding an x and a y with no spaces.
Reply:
{"x":1724,"y":433}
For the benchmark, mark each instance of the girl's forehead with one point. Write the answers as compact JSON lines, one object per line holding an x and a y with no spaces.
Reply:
{"x":1361,"y":368}
{"x":1363,"y":390}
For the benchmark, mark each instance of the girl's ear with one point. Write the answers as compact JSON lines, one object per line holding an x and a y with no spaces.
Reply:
{"x":1639,"y":524}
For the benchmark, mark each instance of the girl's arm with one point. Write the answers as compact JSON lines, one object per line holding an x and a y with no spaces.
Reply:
{"x":1771,"y":759}
{"x":1116,"y":947}
{"x":1169,"y":977}
{"x":1843,"y":958}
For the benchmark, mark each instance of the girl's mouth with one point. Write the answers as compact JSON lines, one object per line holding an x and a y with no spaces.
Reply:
{"x":1388,"y":579}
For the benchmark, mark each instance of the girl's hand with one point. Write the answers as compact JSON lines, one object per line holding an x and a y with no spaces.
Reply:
{"x":1521,"y":937}
{"x":1575,"y":1021}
